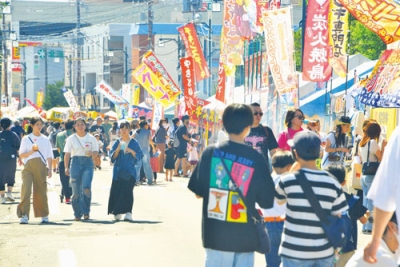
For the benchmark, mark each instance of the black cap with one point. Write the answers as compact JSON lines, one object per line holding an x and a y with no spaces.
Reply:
{"x":307,"y":144}
{"x":344,"y":120}
{"x":185,"y":117}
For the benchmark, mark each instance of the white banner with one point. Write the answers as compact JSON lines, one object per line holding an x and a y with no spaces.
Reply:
{"x":280,"y":47}
{"x":126,"y":92}
{"x":69,"y":96}
{"x":158,"y":111}
{"x":110,"y":94}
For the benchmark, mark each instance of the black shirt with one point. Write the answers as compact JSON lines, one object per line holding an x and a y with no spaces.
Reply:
{"x":259,"y":140}
{"x":97,"y":129}
{"x":226,"y":225}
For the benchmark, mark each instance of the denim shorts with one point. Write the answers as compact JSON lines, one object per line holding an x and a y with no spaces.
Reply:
{"x":217,"y":258}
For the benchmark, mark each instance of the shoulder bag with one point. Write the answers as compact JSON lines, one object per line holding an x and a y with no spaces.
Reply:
{"x":264,"y":245}
{"x":355,"y":173}
{"x":369,"y":168}
{"x":44,"y":160}
{"x":335,"y":228}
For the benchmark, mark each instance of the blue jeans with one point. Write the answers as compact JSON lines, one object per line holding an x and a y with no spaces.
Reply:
{"x":81,"y":182}
{"x":217,"y":258}
{"x":145,"y":161}
{"x":289,"y":262}
{"x":366,"y":181}
{"x":275,"y":230}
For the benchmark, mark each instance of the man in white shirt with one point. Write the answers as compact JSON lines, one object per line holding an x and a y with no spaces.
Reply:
{"x":385,"y":193}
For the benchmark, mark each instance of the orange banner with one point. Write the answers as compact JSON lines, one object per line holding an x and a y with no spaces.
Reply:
{"x":146,"y":77}
{"x":220,"y":95}
{"x":189,"y":83}
{"x":382,"y":17}
{"x":316,"y":51}
{"x":192,"y":44}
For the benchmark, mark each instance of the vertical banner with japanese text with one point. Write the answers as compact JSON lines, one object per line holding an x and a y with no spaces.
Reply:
{"x":135,"y":94}
{"x":189,"y":83}
{"x":220,"y":94}
{"x":316,"y":67}
{"x":193,"y":47}
{"x":126,"y":92}
{"x":280,"y":48}
{"x":381,"y":17}
{"x":338,"y":27}
{"x":158,"y":114}
{"x":162,"y":74}
{"x":106,"y":89}
{"x":39,"y":98}
{"x":152,"y":84}
{"x":70,"y":98}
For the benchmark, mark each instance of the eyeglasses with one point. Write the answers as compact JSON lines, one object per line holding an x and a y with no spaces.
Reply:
{"x":300,"y":117}
{"x":256,"y":113}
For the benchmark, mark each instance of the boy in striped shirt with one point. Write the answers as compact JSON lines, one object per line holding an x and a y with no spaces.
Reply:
{"x":304,"y":242}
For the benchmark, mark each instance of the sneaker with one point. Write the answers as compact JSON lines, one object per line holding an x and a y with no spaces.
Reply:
{"x":137,"y":184}
{"x":10,"y":197}
{"x":117,"y":217}
{"x":67,"y":201}
{"x":45,"y":219}
{"x":128,"y":216}
{"x":24,"y":219}
{"x":3,"y":200}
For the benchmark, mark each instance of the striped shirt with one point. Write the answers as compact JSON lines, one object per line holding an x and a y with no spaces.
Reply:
{"x":303,"y":237}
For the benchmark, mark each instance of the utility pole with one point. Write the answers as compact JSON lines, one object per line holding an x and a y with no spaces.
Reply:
{"x":4,"y":48}
{"x":150,"y":23}
{"x":46,"y":74}
{"x":126,"y":64}
{"x":78,"y":50}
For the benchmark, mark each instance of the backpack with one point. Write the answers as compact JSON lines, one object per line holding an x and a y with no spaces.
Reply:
{"x":176,"y":139}
{"x":7,"y":151}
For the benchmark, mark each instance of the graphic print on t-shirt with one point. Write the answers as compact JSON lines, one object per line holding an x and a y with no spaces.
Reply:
{"x":224,"y":203}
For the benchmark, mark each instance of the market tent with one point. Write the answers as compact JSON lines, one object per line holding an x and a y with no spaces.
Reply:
{"x":59,"y":114}
{"x":24,"y":111}
{"x":113,"y":116}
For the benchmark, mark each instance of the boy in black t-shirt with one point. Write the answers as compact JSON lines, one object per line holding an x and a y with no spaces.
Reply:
{"x":229,"y":234}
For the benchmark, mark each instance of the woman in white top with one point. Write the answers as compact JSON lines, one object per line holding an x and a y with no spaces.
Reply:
{"x":37,"y":155}
{"x":81,"y":148}
{"x":369,"y":147}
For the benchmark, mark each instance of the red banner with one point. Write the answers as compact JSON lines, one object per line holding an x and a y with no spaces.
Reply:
{"x":316,"y":67}
{"x":192,"y":44}
{"x":189,"y":83}
{"x":220,"y":95}
{"x":33,"y":105}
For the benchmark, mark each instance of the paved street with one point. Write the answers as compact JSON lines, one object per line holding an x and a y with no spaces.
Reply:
{"x":165,"y":230}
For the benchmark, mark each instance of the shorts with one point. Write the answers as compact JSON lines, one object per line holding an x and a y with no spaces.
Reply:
{"x":193,"y":162}
{"x":181,"y":152}
{"x":56,"y":154}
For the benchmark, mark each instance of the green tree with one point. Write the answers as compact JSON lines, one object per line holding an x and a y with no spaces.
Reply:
{"x":364,"y":41}
{"x":54,"y":96}
{"x":297,"y":48}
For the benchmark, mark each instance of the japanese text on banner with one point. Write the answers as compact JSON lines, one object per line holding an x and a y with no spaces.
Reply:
{"x":189,"y":83}
{"x":110,"y":94}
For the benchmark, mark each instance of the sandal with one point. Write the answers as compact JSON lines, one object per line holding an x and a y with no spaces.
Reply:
{"x":170,"y":180}
{"x":86,"y":217}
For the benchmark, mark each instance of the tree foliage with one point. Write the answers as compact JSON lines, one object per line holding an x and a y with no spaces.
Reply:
{"x":54,"y":96}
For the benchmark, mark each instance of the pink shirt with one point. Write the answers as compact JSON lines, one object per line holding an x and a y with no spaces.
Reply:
{"x":286,"y":135}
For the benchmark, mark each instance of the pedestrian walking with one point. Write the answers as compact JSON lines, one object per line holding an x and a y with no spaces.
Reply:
{"x":193,"y":154}
{"x":80,"y":148}
{"x":143,"y":137}
{"x":337,"y":143}
{"x":182,"y":137}
{"x":228,"y":231}
{"x":124,"y":154}
{"x":37,"y":155}
{"x":97,"y":159}
{"x":160,"y":138}
{"x":304,"y":242}
{"x":66,"y":190}
{"x":293,"y":122}
{"x":52,"y":137}
{"x":9,"y":147}
{"x":170,"y":157}
{"x":107,"y":127}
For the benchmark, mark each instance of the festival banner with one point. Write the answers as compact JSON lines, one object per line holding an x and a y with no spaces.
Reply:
{"x":162,"y":74}
{"x":265,"y":5}
{"x":126,"y":92}
{"x":381,"y":17}
{"x":135,"y":112}
{"x":338,"y":27}
{"x":70,"y":98}
{"x":158,"y":114}
{"x":146,"y":77}
{"x":34,"y":105}
{"x":39,"y":99}
{"x":316,"y":67}
{"x":193,"y":48}
{"x":135,"y":94}
{"x":381,"y":89}
{"x":220,"y":94}
{"x":106,"y":89}
{"x":280,"y":48}
{"x":189,"y":83}
{"x":231,"y":45}
{"x":196,"y":114}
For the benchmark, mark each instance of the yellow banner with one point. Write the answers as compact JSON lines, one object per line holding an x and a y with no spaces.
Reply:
{"x":39,"y":99}
{"x":135,"y":94}
{"x":386,"y":117}
{"x":338,"y":27}
{"x":146,"y":77}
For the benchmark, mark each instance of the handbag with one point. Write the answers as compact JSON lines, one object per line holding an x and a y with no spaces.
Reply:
{"x":369,"y":168}
{"x":264,"y":245}
{"x":335,"y":228}
{"x":355,"y":173}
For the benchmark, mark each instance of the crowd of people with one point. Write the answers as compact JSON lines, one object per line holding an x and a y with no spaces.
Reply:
{"x":248,"y":171}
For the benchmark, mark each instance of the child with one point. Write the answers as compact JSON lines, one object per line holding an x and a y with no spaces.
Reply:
{"x":274,"y":218}
{"x":193,"y":154}
{"x":154,"y":162}
{"x":170,"y":157}
{"x":356,"y":212}
{"x":97,"y":161}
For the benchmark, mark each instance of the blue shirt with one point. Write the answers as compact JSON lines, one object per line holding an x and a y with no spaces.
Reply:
{"x":126,"y":161}
{"x":142,"y":136}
